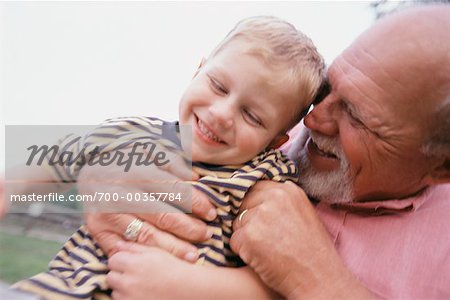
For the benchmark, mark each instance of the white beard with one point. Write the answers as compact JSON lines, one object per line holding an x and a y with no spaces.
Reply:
{"x":331,"y":187}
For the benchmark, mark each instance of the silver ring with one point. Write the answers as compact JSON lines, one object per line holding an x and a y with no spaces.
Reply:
{"x":133,"y":229}
{"x":241,"y":215}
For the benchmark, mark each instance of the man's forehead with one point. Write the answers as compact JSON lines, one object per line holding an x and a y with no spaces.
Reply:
{"x":337,"y":72}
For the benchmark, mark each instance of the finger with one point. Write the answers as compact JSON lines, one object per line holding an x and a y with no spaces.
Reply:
{"x":180,"y":249}
{"x":114,"y":223}
{"x":243,"y":218}
{"x":148,"y":235}
{"x":136,"y":248}
{"x":132,"y":247}
{"x":121,"y":261}
{"x":236,"y":241}
{"x":191,"y":200}
{"x":108,"y":241}
{"x":152,"y":236}
{"x":117,"y":295}
{"x":115,"y":280}
{"x":202,"y":207}
{"x":180,"y":225}
{"x":149,"y":190}
{"x":259,"y":193}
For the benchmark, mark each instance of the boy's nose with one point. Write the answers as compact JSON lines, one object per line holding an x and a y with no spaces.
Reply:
{"x":222,"y":113}
{"x":323,"y":118}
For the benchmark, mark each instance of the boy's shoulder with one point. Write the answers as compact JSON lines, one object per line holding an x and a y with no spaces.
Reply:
{"x":274,"y":164}
{"x":135,"y":122}
{"x":272,"y":155}
{"x":138,"y":124}
{"x":134,"y":129}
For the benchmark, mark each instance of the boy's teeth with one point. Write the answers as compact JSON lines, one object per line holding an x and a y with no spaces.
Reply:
{"x":206,"y":132}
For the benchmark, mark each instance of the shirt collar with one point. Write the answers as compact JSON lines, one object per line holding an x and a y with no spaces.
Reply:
{"x":385,"y":206}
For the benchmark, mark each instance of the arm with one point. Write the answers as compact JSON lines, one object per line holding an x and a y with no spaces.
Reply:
{"x":172,"y":278}
{"x":302,"y":264}
{"x":232,"y":283}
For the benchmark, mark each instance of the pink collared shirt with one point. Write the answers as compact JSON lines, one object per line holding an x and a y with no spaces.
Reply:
{"x":399,"y":249}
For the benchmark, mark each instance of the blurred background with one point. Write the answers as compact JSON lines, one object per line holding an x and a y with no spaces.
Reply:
{"x":78,"y":63}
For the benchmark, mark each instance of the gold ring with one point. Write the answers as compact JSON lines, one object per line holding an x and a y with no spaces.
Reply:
{"x":242,"y":215}
{"x":133,"y":229}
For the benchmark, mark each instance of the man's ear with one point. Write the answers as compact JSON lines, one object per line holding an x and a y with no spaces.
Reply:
{"x":202,"y":63}
{"x":278,"y":141}
{"x":441,"y":173}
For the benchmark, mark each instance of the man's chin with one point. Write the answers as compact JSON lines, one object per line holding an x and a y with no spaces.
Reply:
{"x":326,"y":192}
{"x":330,"y":187}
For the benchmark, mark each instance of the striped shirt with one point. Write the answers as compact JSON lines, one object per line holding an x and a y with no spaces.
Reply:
{"x":79,"y":269}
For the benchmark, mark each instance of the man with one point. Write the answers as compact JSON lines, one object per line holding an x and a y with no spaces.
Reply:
{"x":376,"y":155}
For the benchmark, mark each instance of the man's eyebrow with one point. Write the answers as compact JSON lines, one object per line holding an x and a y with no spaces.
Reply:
{"x":353,"y":110}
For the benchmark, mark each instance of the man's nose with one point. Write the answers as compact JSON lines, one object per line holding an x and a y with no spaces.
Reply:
{"x":222,"y":113}
{"x":323,"y":118}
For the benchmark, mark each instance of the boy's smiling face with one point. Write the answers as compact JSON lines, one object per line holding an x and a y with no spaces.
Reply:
{"x":237,"y":106}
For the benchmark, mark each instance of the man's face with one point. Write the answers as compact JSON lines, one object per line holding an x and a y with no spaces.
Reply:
{"x":237,"y":106}
{"x":366,"y":134}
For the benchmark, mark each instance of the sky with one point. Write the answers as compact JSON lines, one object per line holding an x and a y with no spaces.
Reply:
{"x":78,"y":63}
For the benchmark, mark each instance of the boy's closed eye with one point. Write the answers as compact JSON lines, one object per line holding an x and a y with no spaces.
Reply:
{"x":217,"y":86}
{"x":251,"y":118}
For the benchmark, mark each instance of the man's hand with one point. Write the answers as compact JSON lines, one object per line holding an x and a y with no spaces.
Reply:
{"x":165,"y":226}
{"x":283,"y":240}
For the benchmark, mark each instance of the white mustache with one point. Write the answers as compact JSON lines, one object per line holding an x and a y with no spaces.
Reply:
{"x":327,"y":144}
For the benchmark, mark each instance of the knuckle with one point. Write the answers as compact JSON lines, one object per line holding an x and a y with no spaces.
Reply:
{"x":102,"y":236}
{"x":279,"y":192}
{"x":265,"y":208}
{"x":198,"y":198}
{"x":164,"y":221}
{"x":194,"y":233}
{"x":116,"y":219}
{"x":200,"y":202}
{"x":172,"y":248}
{"x":113,"y":260}
{"x":197,"y":203}
{"x":146,"y":235}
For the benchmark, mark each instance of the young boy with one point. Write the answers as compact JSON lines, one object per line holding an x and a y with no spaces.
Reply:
{"x":256,"y":84}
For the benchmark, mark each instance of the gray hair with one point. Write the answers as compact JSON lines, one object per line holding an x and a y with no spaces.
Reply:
{"x":438,"y":142}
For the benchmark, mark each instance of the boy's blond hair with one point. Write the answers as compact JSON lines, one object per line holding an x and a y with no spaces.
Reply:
{"x":281,"y":45}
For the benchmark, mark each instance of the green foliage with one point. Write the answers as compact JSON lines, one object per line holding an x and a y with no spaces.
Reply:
{"x":22,"y":257}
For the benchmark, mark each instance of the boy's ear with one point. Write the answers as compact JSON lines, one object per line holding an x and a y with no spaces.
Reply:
{"x":202,"y":63}
{"x":441,"y":173}
{"x":278,"y":141}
